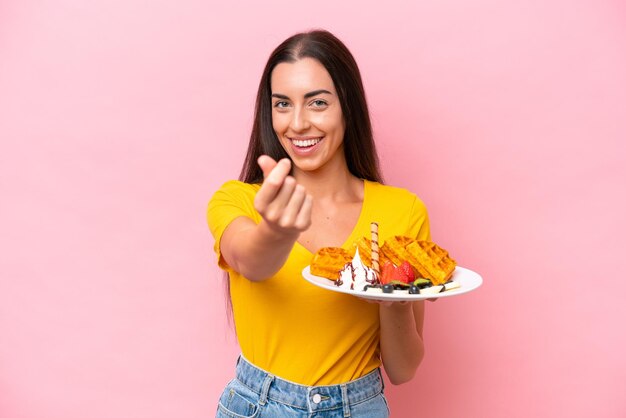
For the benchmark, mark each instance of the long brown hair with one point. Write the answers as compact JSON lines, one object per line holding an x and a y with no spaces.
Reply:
{"x":359,"y":148}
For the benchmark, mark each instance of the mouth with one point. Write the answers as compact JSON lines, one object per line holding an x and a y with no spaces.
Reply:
{"x":305,"y":143}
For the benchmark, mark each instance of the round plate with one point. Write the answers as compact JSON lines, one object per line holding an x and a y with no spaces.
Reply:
{"x":468,"y":279}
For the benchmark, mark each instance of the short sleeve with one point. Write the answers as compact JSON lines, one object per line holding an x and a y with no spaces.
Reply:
{"x":232,"y":200}
{"x":419,"y":225}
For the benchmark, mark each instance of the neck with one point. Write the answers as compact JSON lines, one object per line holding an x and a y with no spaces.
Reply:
{"x":335,"y":183}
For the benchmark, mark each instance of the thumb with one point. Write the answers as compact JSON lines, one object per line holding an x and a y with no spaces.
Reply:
{"x":267,"y":164}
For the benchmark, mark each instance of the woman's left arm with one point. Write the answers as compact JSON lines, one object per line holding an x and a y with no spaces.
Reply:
{"x":401,"y":343}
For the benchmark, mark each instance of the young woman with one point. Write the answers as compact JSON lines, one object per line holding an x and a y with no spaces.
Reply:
{"x":310,"y":180}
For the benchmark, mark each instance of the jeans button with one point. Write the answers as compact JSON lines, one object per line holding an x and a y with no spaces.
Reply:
{"x":317,"y":398}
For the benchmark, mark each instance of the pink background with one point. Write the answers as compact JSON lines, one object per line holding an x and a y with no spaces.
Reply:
{"x":119,"y":119}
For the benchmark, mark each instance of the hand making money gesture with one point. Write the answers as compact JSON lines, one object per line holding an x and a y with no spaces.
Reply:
{"x":284,"y":205}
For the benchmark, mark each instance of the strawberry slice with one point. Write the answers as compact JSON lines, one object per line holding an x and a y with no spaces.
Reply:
{"x":386,"y":273}
{"x":399,"y":275}
{"x":407,"y":269}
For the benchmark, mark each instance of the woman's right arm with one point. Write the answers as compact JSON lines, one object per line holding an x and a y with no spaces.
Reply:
{"x":258,"y":251}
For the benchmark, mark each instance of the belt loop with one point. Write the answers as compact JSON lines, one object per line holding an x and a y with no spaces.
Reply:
{"x":346,"y":403}
{"x":265,"y":388}
{"x":382,"y":381}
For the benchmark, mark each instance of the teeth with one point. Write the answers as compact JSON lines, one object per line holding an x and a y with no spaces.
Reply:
{"x":305,"y":142}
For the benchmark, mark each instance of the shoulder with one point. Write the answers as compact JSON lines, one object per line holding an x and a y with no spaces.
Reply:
{"x":235,"y":190}
{"x":401,"y":211}
{"x":234,"y":196}
{"x":396,"y":196}
{"x":233,"y":199}
{"x":236,"y":186}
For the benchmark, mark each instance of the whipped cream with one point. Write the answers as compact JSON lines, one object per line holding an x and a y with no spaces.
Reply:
{"x":356,"y":275}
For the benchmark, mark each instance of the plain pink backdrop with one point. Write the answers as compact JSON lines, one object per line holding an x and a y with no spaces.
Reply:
{"x":119,"y":119}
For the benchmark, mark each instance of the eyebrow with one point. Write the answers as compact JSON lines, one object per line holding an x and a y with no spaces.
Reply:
{"x":306,"y":96}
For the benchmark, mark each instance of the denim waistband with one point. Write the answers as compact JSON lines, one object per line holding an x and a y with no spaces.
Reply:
{"x":311,"y":398}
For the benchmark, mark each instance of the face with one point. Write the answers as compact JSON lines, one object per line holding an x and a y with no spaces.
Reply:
{"x":306,"y":115}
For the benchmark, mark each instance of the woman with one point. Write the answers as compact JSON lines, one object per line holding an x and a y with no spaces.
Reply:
{"x":311,"y":180}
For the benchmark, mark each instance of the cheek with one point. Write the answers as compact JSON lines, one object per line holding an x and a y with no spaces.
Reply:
{"x":330,"y":122}
{"x":279,"y":122}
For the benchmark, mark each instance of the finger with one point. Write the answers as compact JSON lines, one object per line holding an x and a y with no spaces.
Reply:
{"x":278,"y":173}
{"x":303,"y":221}
{"x":277,"y":206}
{"x":266,"y":163}
{"x":368,"y":300}
{"x":272,"y":185}
{"x":290,"y":214}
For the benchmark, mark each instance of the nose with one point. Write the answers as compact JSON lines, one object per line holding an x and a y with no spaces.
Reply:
{"x":299,"y":120}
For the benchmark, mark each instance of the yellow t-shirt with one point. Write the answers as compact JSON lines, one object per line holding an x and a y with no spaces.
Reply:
{"x":296,"y":330}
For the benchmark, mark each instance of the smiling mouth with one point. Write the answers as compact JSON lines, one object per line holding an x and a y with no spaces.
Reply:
{"x":305,"y":143}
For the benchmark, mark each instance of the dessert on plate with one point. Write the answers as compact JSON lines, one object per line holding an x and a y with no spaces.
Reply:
{"x":400,"y":264}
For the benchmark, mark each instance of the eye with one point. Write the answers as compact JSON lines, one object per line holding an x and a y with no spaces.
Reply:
{"x":281,"y":104}
{"x":319,"y":103}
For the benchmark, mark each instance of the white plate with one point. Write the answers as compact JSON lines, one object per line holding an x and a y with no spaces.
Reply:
{"x":468,"y":279}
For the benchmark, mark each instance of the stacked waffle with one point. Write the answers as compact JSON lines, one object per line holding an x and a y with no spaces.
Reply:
{"x":429,"y":260}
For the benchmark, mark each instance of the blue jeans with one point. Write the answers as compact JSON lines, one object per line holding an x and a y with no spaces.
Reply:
{"x":257,"y":393}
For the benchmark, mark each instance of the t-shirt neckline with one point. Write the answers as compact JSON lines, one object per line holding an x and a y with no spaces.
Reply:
{"x":360,"y":219}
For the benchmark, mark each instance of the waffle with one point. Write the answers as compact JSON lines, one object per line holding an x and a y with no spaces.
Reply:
{"x":394,"y":249}
{"x":364,"y":245}
{"x":431,"y":261}
{"x":328,"y":261}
